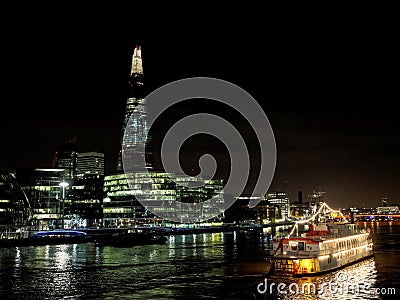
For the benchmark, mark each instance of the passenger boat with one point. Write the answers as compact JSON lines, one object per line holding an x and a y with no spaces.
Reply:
{"x":324,"y":247}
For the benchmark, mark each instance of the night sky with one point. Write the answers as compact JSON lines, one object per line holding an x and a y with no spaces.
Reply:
{"x":329,"y":93}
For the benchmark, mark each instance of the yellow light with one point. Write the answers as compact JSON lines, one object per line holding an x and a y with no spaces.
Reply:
{"x":306,"y":263}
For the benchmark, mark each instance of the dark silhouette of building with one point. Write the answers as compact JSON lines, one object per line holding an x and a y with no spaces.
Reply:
{"x":85,"y":207}
{"x":300,"y":197}
{"x":65,"y":157}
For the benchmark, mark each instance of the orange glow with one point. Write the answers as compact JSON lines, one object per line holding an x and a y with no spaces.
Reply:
{"x":306,"y":265}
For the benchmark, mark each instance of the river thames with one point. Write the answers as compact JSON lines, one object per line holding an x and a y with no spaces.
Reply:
{"x":201,"y":266}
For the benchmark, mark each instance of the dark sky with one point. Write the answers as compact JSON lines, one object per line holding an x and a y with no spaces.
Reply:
{"x":329,"y":92}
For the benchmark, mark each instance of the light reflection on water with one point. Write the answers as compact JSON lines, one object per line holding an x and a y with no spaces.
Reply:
{"x":219,"y":266}
{"x":354,"y":282}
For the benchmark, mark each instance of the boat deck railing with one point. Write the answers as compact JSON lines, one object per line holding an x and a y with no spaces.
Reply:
{"x":297,"y":254}
{"x":330,"y":235}
{"x":311,"y":254}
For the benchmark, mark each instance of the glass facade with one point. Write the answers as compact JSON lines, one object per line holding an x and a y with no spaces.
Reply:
{"x":84,"y":208}
{"x":195,"y":190}
{"x":15,"y":209}
{"x":42,"y":187}
{"x":90,"y":163}
{"x":66,"y":158}
{"x":120,"y":207}
{"x":281,"y":201}
{"x":134,"y":122}
{"x":163,"y":193}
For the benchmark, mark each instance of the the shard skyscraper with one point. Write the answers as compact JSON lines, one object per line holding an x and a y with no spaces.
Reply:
{"x":137,"y":140}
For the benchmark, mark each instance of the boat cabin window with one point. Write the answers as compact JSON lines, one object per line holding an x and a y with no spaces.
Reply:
{"x":293,"y":246}
{"x":301,"y":246}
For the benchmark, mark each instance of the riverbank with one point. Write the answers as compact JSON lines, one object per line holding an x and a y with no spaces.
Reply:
{"x":93,"y":234}
{"x":378,"y":223}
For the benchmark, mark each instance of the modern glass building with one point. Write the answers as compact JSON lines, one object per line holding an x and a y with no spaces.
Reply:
{"x":85,"y":201}
{"x":134,"y":122}
{"x":281,"y":201}
{"x":15,"y":209}
{"x":196,"y":190}
{"x":42,"y":187}
{"x":120,"y":206}
{"x":89,"y":163}
{"x":163,"y":192}
{"x":65,"y":157}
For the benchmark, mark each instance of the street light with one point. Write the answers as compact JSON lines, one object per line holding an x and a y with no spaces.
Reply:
{"x":63,"y":184}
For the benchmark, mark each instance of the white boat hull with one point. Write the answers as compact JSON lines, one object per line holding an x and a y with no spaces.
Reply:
{"x":296,"y":266}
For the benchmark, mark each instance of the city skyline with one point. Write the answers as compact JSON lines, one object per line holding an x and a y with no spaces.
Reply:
{"x":333,"y":118}
{"x":74,"y":225}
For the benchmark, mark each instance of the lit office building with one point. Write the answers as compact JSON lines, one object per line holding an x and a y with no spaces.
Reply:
{"x":84,"y":209}
{"x":42,"y":187}
{"x":316,"y":198}
{"x":197,"y":190}
{"x":393,"y":209}
{"x":163,"y":192}
{"x":264,"y":212}
{"x":90,"y":163}
{"x":15,"y":209}
{"x":120,"y":206}
{"x":281,"y":201}
{"x":244,"y":213}
{"x":163,"y":197}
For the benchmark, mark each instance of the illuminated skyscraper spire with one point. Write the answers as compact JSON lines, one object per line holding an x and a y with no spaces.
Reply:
{"x":137,"y":66}
{"x":135,"y":104}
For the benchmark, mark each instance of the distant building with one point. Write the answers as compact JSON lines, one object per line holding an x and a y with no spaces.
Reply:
{"x":281,"y":201}
{"x":120,"y":206}
{"x":316,"y":198}
{"x":163,"y":196}
{"x":134,"y":144}
{"x":42,"y":187}
{"x":65,"y":157}
{"x":300,"y":209}
{"x":54,"y":206}
{"x":90,"y":163}
{"x":384,"y":201}
{"x":387,"y":210}
{"x":266,"y":212}
{"x":15,"y":209}
{"x":164,"y":192}
{"x":239,"y":211}
{"x":85,"y":207}
{"x":197,"y":190}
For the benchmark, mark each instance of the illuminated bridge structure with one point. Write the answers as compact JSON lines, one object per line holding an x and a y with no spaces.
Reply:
{"x":377,"y":217}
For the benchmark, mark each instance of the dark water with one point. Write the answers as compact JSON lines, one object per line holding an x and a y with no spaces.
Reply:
{"x":203,"y":266}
